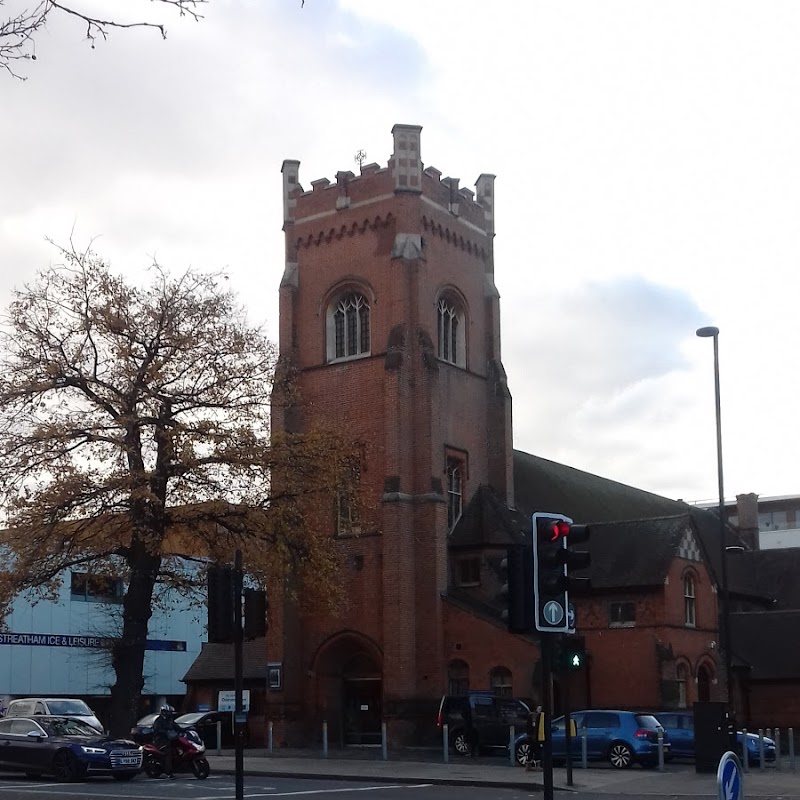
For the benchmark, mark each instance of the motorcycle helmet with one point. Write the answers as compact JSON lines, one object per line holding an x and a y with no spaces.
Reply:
{"x":167,"y":711}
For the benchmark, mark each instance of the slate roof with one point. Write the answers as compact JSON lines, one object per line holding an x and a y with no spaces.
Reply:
{"x":215,"y":662}
{"x":773,"y":572}
{"x":542,"y":485}
{"x":637,"y":533}
{"x":635,"y":553}
{"x":767,"y":641}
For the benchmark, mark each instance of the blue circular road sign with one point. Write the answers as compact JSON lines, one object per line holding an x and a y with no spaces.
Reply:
{"x":730,"y":784}
{"x":553,"y":612}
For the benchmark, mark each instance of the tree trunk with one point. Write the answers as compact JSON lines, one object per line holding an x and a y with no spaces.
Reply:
{"x":127,"y":653}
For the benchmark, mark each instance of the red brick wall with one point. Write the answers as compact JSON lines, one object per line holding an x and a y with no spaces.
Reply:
{"x":625,"y":668}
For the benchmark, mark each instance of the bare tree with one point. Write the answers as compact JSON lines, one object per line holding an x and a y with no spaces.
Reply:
{"x":135,"y":443}
{"x":28,"y":18}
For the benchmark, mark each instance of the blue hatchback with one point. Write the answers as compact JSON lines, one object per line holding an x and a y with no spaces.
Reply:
{"x":620,"y":737}
{"x":680,"y":727}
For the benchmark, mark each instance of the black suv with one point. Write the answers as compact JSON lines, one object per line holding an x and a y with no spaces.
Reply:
{"x":491,"y":717}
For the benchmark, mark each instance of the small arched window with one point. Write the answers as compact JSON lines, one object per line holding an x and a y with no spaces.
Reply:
{"x":348,"y":327}
{"x":457,"y":677}
{"x":455,"y":491}
{"x":451,"y":332}
{"x":682,"y":675}
{"x":500,"y":681}
{"x":689,"y":600}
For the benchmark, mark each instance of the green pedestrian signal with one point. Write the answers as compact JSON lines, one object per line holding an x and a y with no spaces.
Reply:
{"x":574,"y":657}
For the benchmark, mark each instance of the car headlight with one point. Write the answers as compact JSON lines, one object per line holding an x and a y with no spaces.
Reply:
{"x":95,"y":751}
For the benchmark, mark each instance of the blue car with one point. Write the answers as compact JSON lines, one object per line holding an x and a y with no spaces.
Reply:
{"x":623,"y":738}
{"x":65,"y":747}
{"x":680,"y":727}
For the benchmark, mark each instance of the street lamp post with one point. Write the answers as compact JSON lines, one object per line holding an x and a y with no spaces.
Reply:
{"x":724,"y":608}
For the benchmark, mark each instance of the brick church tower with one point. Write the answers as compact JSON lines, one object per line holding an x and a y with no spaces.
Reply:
{"x":390,"y":315}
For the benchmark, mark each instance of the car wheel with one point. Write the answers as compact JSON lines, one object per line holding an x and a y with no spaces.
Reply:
{"x":460,"y":743}
{"x":620,"y":755}
{"x":124,"y":776}
{"x":522,"y":753}
{"x":201,"y":768}
{"x":66,"y":767}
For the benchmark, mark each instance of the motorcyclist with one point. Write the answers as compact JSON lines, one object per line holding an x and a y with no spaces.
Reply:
{"x":164,"y":733}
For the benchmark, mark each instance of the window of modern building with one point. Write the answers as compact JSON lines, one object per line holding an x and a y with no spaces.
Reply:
{"x":621,"y":615}
{"x":451,"y":332}
{"x":500,"y":681}
{"x":689,"y":600}
{"x":773,"y":520}
{"x":455,"y":491}
{"x":468,"y":572}
{"x":457,"y":677}
{"x":348,"y":327}
{"x":95,"y":588}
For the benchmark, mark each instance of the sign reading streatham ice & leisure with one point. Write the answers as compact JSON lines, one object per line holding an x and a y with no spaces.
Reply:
{"x":99,"y":642}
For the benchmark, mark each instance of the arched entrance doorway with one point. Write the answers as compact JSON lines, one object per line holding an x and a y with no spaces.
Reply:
{"x":350,"y":688}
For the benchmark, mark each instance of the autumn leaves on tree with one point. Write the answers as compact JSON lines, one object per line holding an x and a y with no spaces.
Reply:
{"x":136,"y":442}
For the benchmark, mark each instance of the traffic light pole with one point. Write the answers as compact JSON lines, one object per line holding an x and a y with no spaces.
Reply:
{"x":237,"y":672}
{"x":546,"y":647}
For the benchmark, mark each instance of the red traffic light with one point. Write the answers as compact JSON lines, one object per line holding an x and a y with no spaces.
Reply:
{"x":557,"y":529}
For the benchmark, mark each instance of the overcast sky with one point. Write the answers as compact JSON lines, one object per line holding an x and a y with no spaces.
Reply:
{"x":648,"y":183}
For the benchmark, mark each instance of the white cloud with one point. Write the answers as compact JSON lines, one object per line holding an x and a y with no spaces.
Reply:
{"x":648,"y":183}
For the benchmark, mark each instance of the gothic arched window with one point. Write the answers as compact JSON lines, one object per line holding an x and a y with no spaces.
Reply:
{"x":348,"y":327}
{"x":451,"y":332}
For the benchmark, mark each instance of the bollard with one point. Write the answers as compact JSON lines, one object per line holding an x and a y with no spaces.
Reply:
{"x":777,"y":748}
{"x":512,"y":757}
{"x":761,"y":748}
{"x":584,"y":749}
{"x":219,"y":737}
{"x":791,"y":750}
{"x":384,"y":743}
{"x":745,"y":752}
{"x":660,"y":750}
{"x":325,"y":738}
{"x":269,"y":736}
{"x":445,"y":743}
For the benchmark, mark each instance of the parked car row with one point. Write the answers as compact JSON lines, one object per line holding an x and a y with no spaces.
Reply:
{"x":481,"y":721}
{"x":679,"y":726}
{"x":204,"y":722}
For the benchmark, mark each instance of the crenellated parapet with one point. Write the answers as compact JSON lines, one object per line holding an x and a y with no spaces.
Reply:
{"x":405,"y":173}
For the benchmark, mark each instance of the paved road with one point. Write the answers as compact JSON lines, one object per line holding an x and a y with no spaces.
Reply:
{"x":221,"y":787}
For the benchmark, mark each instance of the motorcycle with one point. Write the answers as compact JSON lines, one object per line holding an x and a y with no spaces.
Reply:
{"x":187,"y":755}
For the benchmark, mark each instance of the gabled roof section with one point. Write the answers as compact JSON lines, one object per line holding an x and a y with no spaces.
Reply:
{"x":486,"y":521}
{"x":767,"y":641}
{"x":542,"y":485}
{"x":215,"y":662}
{"x":635,"y":553}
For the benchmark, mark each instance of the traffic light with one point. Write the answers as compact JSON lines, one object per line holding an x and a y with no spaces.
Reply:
{"x":220,"y":603}
{"x":516,"y":593}
{"x":573,"y":655}
{"x":553,"y":558}
{"x":255,"y":614}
